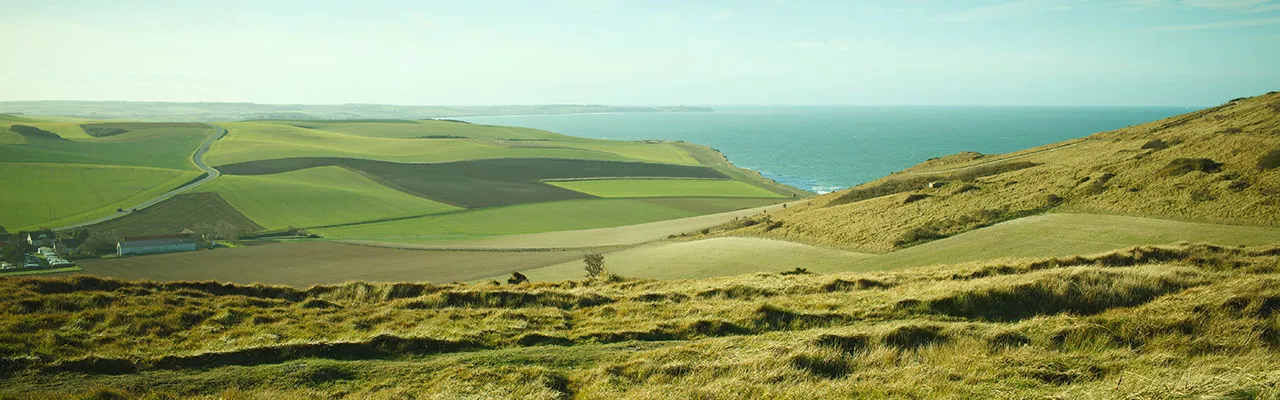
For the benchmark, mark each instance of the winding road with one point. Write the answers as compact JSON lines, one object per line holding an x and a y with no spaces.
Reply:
{"x":197,"y":158}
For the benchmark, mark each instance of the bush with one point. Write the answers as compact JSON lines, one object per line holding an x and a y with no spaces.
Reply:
{"x":594,"y":264}
{"x":1269,"y":161}
{"x":914,"y":197}
{"x":1183,"y":166}
{"x":964,"y":188}
{"x":1155,"y":144}
{"x":32,"y":131}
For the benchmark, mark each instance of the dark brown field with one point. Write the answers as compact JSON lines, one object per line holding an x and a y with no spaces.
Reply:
{"x":200,"y":212}
{"x":303,"y":264}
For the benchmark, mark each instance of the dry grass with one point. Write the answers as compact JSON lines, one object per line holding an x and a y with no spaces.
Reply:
{"x":1201,"y":170}
{"x":1149,"y":322}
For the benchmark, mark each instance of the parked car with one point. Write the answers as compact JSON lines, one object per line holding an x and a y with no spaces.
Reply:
{"x":6,"y":265}
{"x":58,"y":262}
{"x":31,"y":264}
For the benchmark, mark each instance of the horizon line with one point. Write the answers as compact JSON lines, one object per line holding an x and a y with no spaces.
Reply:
{"x":628,"y":105}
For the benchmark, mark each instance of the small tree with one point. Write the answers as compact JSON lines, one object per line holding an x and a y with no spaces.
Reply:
{"x":100,"y":242}
{"x":594,"y":264}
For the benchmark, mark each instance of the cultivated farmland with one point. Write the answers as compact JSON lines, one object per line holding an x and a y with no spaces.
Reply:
{"x":304,"y":264}
{"x":200,"y":212}
{"x":480,"y":183}
{"x":54,"y":194}
{"x":317,"y":197}
{"x":528,"y":218}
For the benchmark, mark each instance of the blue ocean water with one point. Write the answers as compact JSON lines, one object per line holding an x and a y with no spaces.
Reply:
{"x":829,"y":148}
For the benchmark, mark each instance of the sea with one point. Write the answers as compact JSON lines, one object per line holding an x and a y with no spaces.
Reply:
{"x":822,"y":149}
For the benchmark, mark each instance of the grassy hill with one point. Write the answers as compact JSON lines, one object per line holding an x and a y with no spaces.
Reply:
{"x":1190,"y":321}
{"x":1214,"y":165}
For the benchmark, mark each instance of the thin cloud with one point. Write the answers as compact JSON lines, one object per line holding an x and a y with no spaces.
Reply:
{"x":723,"y":15}
{"x":1242,"y":5}
{"x":1214,"y":25}
{"x":1006,"y":10}
{"x":1250,"y":6}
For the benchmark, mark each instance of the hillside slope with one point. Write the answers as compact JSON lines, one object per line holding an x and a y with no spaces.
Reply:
{"x":1191,"y":321}
{"x":1214,"y":165}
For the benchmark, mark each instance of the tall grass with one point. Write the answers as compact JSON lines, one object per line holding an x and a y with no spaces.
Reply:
{"x":1194,"y":320}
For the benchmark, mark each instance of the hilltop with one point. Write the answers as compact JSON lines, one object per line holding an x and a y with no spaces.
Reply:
{"x":1148,"y":322}
{"x":1216,"y":165}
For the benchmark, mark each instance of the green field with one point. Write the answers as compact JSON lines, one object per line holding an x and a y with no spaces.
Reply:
{"x":526,"y":218}
{"x":260,"y":140}
{"x":147,"y":145}
{"x":317,"y":197}
{"x":664,"y":188}
{"x":54,"y":194}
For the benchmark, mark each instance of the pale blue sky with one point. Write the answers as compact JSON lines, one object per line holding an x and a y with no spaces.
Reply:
{"x":1002,"y":52}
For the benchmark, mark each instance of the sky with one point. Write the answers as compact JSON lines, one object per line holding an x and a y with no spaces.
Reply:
{"x":656,"y":52}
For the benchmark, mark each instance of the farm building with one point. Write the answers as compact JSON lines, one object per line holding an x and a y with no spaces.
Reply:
{"x":155,"y":244}
{"x":42,"y":238}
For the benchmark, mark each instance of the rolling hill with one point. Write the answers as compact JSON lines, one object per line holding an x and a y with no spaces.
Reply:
{"x":366,"y":174}
{"x":1215,"y":165}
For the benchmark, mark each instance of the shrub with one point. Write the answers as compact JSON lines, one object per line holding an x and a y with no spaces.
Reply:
{"x":1269,"y":161}
{"x":594,"y":264}
{"x":964,"y":188}
{"x":1201,"y":195}
{"x":914,"y":197}
{"x":1155,"y":144}
{"x":1183,"y":166}
{"x":31,"y":131}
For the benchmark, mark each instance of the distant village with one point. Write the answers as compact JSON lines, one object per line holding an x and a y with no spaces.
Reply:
{"x":45,"y":249}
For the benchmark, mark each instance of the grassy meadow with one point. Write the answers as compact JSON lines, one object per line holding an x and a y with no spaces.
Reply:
{"x":1189,"y":321}
{"x":317,"y":197}
{"x":53,"y":194}
{"x":610,"y":188}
